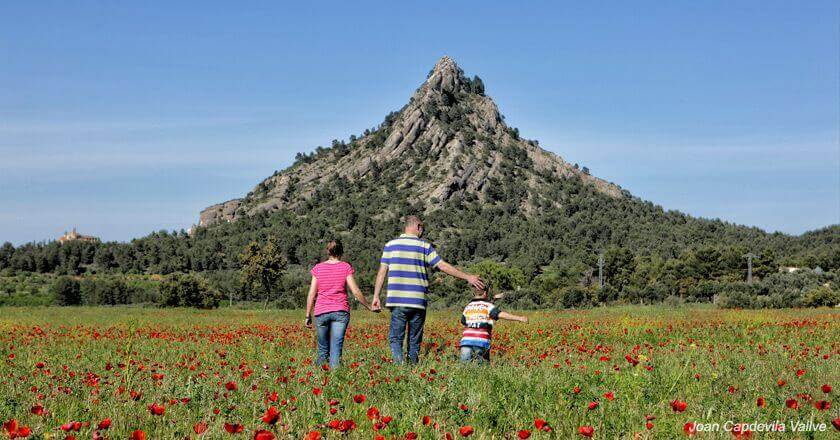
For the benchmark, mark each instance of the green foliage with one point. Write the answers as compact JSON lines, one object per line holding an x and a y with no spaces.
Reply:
{"x":262,"y":268}
{"x":822,"y":296}
{"x":501,"y":277}
{"x":575,"y":297}
{"x":187,"y":290}
{"x":66,"y":292}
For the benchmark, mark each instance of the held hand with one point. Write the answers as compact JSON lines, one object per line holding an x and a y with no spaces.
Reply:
{"x":308,"y":322}
{"x":525,"y":319}
{"x":475,"y":281}
{"x":374,"y":305}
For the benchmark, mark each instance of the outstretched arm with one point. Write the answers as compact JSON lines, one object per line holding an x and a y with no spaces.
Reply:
{"x":357,"y":293}
{"x":377,"y":286}
{"x":310,"y":299}
{"x":512,"y":317}
{"x":449,"y":269}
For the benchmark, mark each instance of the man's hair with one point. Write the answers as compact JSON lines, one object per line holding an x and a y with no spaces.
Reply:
{"x":412,"y":221}
{"x":335,"y":248}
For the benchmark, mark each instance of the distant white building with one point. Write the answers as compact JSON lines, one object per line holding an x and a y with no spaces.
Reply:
{"x":789,"y":269}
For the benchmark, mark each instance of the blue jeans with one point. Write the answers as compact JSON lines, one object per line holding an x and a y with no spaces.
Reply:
{"x":330,"y":328}
{"x":479,"y":354}
{"x":402,"y":317}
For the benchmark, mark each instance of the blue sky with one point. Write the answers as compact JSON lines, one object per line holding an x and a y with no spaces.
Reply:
{"x":125,"y":118}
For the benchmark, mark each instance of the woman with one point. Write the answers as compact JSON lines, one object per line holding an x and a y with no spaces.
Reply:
{"x":328,"y":293}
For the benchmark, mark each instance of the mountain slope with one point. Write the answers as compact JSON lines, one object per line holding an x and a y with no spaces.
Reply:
{"x":484,"y":193}
{"x":454,"y":139}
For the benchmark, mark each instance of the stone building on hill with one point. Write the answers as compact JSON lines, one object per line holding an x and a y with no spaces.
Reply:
{"x":73,"y":235}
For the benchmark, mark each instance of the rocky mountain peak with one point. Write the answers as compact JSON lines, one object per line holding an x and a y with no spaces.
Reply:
{"x":449,"y":142}
{"x":446,"y":76}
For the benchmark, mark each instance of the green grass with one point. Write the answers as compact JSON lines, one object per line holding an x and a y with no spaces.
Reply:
{"x":94,"y":357}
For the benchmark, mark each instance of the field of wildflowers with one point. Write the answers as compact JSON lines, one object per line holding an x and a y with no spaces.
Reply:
{"x":638,"y":372}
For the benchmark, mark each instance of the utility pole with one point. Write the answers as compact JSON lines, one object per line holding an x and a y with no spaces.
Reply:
{"x":601,"y":270}
{"x":749,"y":256}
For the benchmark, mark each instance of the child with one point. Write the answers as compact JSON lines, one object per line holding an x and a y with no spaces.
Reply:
{"x":478,"y":318}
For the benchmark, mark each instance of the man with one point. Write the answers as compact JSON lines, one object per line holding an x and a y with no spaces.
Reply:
{"x":406,"y":261}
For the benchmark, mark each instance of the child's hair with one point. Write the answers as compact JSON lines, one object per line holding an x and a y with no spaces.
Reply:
{"x":486,"y":290}
{"x":335,"y":248}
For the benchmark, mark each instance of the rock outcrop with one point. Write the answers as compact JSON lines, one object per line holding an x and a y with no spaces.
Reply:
{"x":449,"y":129}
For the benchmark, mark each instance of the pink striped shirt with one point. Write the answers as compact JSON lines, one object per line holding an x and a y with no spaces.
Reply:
{"x":331,"y":279}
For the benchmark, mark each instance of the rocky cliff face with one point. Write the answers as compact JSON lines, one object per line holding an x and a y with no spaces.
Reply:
{"x":451,"y":134}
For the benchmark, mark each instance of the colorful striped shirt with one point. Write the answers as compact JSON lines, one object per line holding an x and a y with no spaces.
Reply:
{"x":408,"y":259}
{"x":478,"y":319}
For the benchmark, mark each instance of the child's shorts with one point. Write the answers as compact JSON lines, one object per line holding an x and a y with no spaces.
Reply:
{"x":478,"y":354}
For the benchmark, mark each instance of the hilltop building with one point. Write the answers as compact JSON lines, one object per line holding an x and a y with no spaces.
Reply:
{"x":73,"y":235}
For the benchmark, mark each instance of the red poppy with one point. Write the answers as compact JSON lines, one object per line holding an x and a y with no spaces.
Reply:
{"x":313,"y":435}
{"x":689,"y":429}
{"x":576,"y":389}
{"x":234,"y":428}
{"x":586,"y":431}
{"x":679,"y":406}
{"x":822,"y":405}
{"x":740,"y":431}
{"x":410,"y":436}
{"x":271,"y":415}
{"x":760,"y":402}
{"x":38,"y":410}
{"x":262,"y":434}
{"x":346,"y":425}
{"x":231,"y":386}
{"x":609,"y":395}
{"x":593,"y":405}
{"x":464,"y":407}
{"x":10,"y":426}
{"x":105,"y":424}
{"x":71,"y":426}
{"x":466,"y":431}
{"x":316,"y":391}
{"x":427,"y":420}
{"x":800,"y":373}
{"x":836,"y":423}
{"x":542,"y":425}
{"x":792,"y":403}
{"x":648,"y":425}
{"x":15,"y":430}
{"x":373,"y":413}
{"x":523,"y":434}
{"x":359,"y":398}
{"x":199,"y":428}
{"x":826,"y":388}
{"x":156,"y":410}
{"x":138,"y":435}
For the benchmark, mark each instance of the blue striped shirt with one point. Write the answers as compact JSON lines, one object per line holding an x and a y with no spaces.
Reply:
{"x":408,"y":259}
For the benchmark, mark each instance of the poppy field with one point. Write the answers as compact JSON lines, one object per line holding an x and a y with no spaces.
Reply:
{"x":634,"y":372}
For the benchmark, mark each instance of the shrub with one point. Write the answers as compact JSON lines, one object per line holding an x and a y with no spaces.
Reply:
{"x":66,"y":292}
{"x":574,"y":296}
{"x":822,"y":296}
{"x":187,"y":290}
